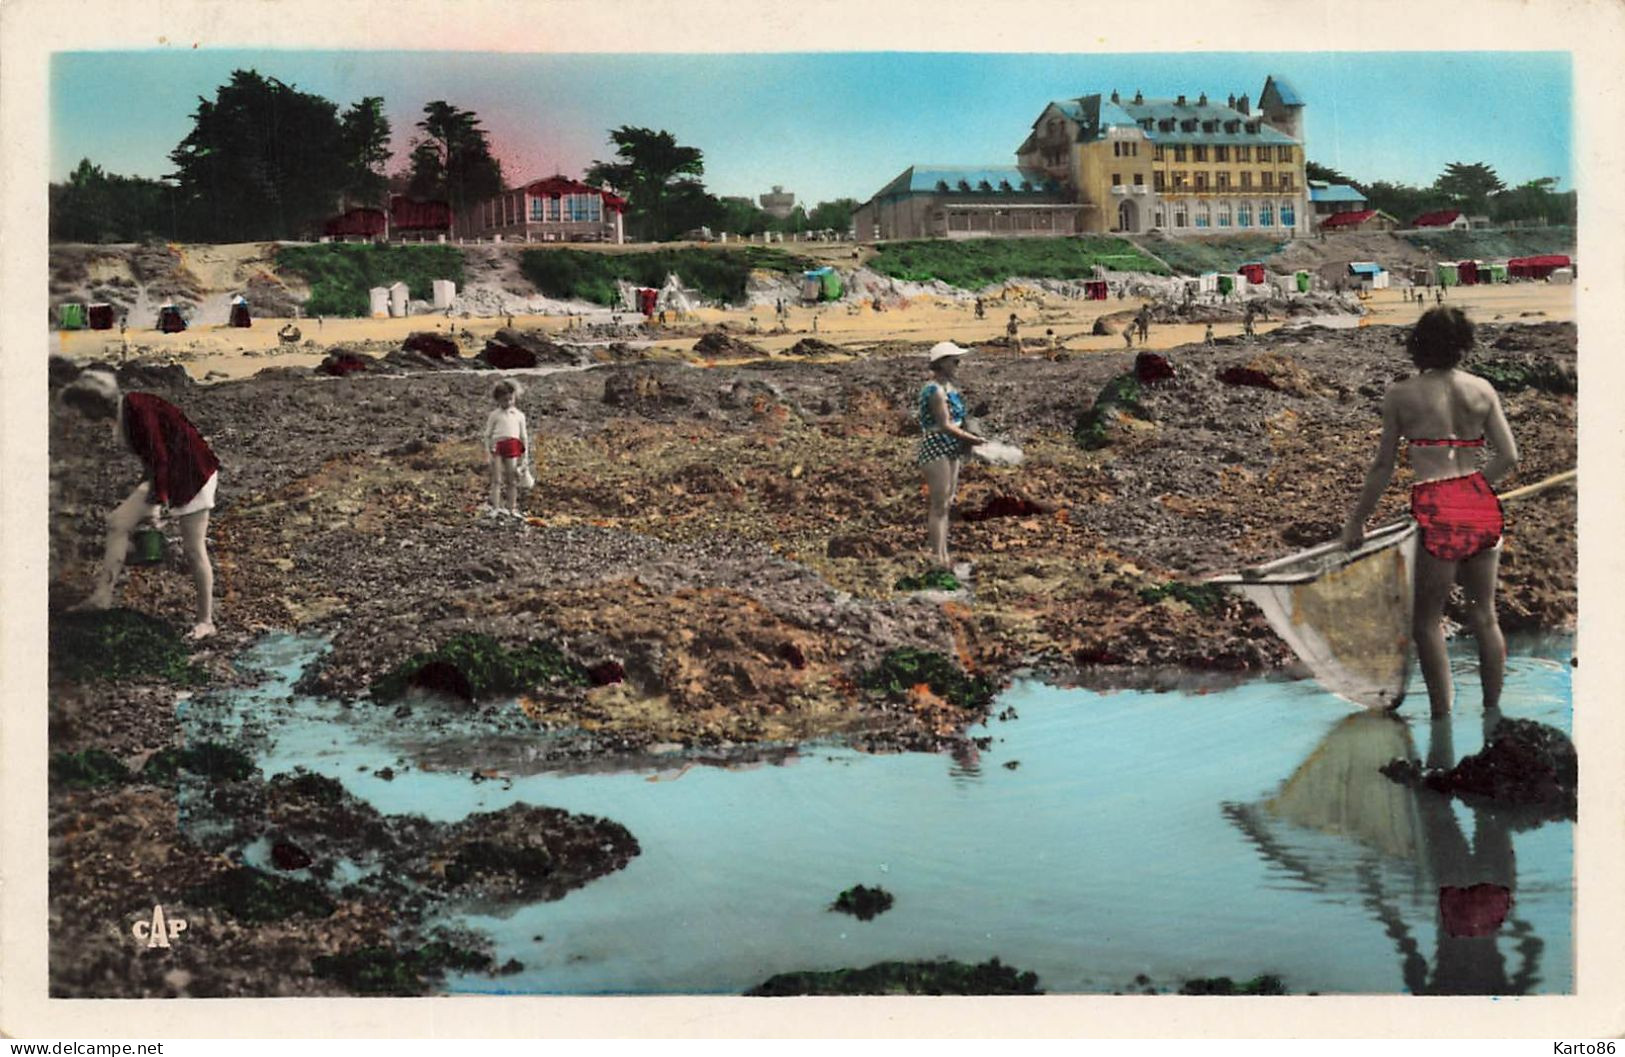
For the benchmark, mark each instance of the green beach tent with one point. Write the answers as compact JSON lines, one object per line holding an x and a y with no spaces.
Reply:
{"x":829,"y":284}
{"x":71,"y":317}
{"x":1303,"y":282}
{"x":1448,"y":275}
{"x":1227,"y":283}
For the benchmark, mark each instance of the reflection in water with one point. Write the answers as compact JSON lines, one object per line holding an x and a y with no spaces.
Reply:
{"x":1339,"y":791}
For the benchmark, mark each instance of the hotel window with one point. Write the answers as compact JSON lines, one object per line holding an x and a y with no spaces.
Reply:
{"x":1244,"y":154}
{"x":1284,"y":153}
{"x":1221,"y":153}
{"x":1199,"y":152}
{"x":1269,"y":180}
{"x":1201,"y":181}
{"x":1117,"y":179}
{"x":1156,"y":152}
{"x":1246,"y":181}
{"x":1181,"y":179}
{"x":536,"y":209}
{"x":1158,"y":218}
{"x":1181,"y":215}
{"x":1204,"y":217}
{"x":1179,"y":152}
{"x":552,"y":208}
{"x":1244,"y":215}
{"x":1266,"y":215}
{"x":1224,"y":181}
{"x":1156,"y":180}
{"x":1286,"y":181}
{"x":1139,"y":179}
{"x":1134,"y":150}
{"x":1288,"y":215}
{"x":1224,"y":214}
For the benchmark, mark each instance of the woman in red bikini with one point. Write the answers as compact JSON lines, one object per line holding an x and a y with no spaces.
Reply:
{"x":1447,"y":415}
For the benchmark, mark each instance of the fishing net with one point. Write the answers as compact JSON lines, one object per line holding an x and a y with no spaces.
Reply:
{"x":1347,"y":615}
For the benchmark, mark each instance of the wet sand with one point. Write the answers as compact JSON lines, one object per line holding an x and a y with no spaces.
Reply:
{"x":236,"y":352}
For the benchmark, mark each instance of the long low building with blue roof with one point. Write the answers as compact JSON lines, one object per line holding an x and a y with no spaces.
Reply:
{"x":1109,"y":163}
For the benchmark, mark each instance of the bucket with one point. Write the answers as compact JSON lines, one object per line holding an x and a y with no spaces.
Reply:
{"x":148,"y":546}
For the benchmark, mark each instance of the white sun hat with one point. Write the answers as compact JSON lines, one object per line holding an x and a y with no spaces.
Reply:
{"x":946,"y":348}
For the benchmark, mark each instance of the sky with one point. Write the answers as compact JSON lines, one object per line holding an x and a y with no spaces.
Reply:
{"x":842,"y":124}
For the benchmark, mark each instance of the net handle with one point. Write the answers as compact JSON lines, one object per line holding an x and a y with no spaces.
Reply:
{"x":1540,"y":486}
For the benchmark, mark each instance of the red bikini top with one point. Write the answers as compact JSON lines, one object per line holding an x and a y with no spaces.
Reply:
{"x":1448,"y":442}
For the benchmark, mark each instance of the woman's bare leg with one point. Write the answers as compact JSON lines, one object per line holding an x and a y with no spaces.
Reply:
{"x":496,"y":481}
{"x":1478,"y":576}
{"x":939,"y":480}
{"x":195,"y":545}
{"x":1434,"y":579}
{"x":121,"y":521}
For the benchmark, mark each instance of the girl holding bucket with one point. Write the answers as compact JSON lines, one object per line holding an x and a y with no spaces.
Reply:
{"x":179,"y":477}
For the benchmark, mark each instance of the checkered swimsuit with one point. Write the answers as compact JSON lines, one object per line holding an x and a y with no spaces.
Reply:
{"x":936,"y":444}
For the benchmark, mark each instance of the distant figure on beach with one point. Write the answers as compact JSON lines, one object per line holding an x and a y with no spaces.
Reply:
{"x":661,"y":317}
{"x":943,"y":442}
{"x":981,"y":309}
{"x":1143,"y":321}
{"x":1447,"y":415}
{"x":179,"y":476}
{"x":1128,"y":336}
{"x":1438,"y":295}
{"x":1012,"y":330}
{"x":506,"y":442}
{"x":1207,"y":338}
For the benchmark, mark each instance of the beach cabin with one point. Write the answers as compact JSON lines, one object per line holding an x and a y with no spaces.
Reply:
{"x":399,"y":296}
{"x":821,"y":284}
{"x":1208,"y":282}
{"x":445,"y":292}
{"x":239,"y":312}
{"x":1369,"y":274}
{"x":1225,"y":284}
{"x":1094,"y":290}
{"x":70,"y":317}
{"x":378,"y":302}
{"x":99,"y":316}
{"x":170,"y":320}
{"x":1254,"y":271}
{"x":1538,"y":267}
{"x":1497,"y":272}
{"x":1562,"y":275}
{"x":1467,"y":273}
{"x":1447,"y":274}
{"x":1304,"y":282}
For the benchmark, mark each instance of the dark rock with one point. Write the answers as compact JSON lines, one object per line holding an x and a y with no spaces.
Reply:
{"x":1247,"y":376}
{"x":340,"y":362}
{"x":286,"y":855}
{"x":1151,"y":367}
{"x":863,"y":902}
{"x":431,"y":344}
{"x":905,"y":978}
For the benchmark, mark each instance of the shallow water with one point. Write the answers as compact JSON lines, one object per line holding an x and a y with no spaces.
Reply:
{"x":1100,"y":836}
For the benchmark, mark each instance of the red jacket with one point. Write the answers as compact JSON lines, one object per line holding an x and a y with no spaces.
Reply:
{"x":176,"y":457}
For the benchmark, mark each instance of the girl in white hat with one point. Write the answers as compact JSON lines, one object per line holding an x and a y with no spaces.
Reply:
{"x":943,"y":442}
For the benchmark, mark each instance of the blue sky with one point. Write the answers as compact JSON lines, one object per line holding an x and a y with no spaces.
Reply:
{"x":840,"y":124}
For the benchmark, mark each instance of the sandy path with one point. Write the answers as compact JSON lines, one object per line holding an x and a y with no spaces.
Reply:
{"x":236,"y":352}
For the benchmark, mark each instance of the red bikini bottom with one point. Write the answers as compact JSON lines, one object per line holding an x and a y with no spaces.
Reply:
{"x":1459,"y":516}
{"x":510,"y":447}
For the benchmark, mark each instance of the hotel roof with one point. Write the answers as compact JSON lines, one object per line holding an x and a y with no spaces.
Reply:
{"x":970,"y":179}
{"x":1171,"y":122}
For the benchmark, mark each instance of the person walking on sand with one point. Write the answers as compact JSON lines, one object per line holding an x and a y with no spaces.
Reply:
{"x":1012,"y":331}
{"x":1207,"y":338}
{"x":1128,"y":336}
{"x":981,"y":309}
{"x":1144,"y":322}
{"x":1447,"y":415}
{"x":505,"y":440}
{"x":179,"y":477}
{"x":943,"y":442}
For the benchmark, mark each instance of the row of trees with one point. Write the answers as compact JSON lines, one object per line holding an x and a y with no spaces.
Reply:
{"x":666,"y":198}
{"x":266,"y":161}
{"x":1474,"y":188}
